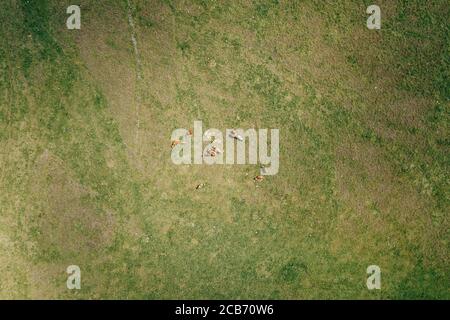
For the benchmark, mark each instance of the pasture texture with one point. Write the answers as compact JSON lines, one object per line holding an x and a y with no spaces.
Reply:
{"x":87,"y":179}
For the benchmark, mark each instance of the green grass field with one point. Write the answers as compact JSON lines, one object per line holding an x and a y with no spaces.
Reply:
{"x":86,"y":176}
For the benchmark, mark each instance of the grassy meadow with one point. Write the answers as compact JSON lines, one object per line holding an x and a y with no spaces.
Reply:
{"x":86,"y":176}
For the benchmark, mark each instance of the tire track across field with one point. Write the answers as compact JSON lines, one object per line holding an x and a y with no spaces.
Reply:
{"x":139,"y":76}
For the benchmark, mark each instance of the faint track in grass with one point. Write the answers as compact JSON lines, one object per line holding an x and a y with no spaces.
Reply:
{"x":139,"y":76}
